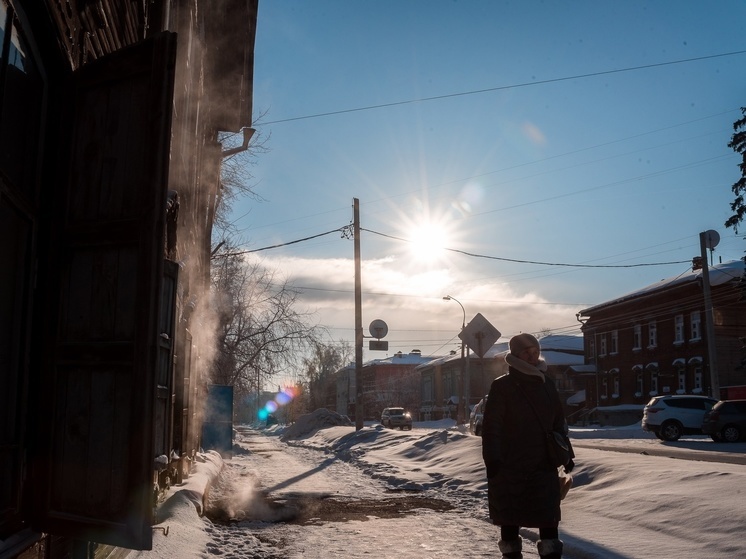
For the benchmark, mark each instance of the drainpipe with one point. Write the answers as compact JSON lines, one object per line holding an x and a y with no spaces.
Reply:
{"x":709,"y":315}
{"x":247,"y":134}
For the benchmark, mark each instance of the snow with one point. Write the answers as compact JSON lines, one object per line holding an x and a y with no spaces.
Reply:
{"x":717,"y":274}
{"x":634,"y":497}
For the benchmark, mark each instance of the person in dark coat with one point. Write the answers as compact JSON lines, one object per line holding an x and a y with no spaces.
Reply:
{"x":522,"y":485}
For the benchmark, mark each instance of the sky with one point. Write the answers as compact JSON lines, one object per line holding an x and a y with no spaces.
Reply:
{"x":529,"y":159}
{"x":632,"y":505}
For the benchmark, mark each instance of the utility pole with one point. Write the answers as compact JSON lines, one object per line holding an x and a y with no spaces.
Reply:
{"x":359,"y":408}
{"x":461,"y":387}
{"x":708,"y":240}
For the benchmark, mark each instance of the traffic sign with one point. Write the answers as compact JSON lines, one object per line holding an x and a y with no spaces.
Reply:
{"x":479,"y":335}
{"x":378,"y":345}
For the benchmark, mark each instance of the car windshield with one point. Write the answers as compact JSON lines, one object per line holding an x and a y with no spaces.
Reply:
{"x":396,"y":411}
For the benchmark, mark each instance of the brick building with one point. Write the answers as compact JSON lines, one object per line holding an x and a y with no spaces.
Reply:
{"x":654,"y":340}
{"x":387,"y":382}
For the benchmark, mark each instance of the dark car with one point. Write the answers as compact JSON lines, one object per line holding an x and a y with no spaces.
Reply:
{"x":670,"y":417}
{"x":726,"y":421}
{"x":475,"y":419}
{"x":396,"y":417}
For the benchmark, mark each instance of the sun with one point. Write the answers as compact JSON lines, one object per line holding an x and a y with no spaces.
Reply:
{"x":428,"y":241}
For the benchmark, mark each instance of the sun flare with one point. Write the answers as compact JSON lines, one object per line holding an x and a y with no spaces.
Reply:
{"x":428,"y":241}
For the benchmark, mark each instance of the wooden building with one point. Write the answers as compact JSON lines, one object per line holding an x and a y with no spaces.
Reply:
{"x":441,"y":377}
{"x":111,"y":113}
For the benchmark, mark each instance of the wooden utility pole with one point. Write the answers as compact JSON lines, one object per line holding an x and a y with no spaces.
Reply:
{"x":359,"y":407}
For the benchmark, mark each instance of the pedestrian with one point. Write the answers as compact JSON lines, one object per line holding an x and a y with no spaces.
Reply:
{"x":523,"y":488}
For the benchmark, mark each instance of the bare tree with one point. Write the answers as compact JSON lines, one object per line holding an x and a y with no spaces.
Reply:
{"x":320,"y":370}
{"x":260,"y":332}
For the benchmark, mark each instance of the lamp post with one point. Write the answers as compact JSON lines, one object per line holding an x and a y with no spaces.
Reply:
{"x":462,"y":384}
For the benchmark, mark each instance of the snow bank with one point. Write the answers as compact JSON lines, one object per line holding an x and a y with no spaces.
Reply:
{"x":311,"y":422}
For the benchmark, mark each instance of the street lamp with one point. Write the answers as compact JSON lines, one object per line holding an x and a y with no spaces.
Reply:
{"x":460,"y":410}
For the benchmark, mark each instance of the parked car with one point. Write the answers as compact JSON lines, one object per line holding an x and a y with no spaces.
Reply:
{"x":475,"y":418}
{"x":726,"y":421}
{"x":670,"y":417}
{"x":396,"y":417}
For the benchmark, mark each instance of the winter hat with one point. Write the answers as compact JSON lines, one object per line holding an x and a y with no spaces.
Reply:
{"x":522,"y":341}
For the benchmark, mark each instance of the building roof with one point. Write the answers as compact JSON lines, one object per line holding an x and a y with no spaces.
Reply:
{"x":719,"y":274}
{"x":555,"y":349}
{"x":414,"y":357}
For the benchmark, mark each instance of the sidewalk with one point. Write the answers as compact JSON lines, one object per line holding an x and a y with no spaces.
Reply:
{"x":179,"y":531}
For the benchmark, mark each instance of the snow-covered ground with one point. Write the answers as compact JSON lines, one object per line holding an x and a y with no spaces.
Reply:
{"x":627,"y":502}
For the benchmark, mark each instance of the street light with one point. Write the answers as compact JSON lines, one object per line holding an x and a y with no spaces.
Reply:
{"x":460,"y":410}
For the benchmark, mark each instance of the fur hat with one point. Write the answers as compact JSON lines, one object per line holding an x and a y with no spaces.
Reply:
{"x":522,"y":341}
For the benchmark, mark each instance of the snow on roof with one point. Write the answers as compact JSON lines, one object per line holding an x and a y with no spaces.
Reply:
{"x":555,"y":349}
{"x":719,"y":274}
{"x":583,"y":368}
{"x":414,"y":357}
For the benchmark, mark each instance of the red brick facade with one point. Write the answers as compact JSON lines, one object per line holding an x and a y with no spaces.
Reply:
{"x":654,"y":341}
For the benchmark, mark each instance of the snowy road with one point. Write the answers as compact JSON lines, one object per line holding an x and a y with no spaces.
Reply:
{"x":273,"y":481}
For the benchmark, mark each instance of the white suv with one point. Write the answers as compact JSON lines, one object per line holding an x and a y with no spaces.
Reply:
{"x":669,"y":417}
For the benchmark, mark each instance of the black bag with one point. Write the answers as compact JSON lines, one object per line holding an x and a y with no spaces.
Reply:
{"x":558,"y":449}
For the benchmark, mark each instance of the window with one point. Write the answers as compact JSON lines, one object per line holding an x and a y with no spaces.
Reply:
{"x":616,"y":387}
{"x":639,"y":384}
{"x":678,"y":329}
{"x":652,"y":334}
{"x":614,"y":342}
{"x":653,"y":383}
{"x":591,"y":349}
{"x":22,"y":104}
{"x":604,"y":388}
{"x":696,"y":326}
{"x":602,"y":343}
{"x":637,"y":337}
{"x":682,"y":382}
{"x":697,"y":379}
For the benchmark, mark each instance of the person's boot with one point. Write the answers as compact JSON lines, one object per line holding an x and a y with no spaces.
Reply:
{"x":511,"y":549}
{"x":549,"y":549}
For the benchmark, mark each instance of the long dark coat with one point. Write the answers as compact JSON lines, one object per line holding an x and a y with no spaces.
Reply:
{"x":523,"y":487}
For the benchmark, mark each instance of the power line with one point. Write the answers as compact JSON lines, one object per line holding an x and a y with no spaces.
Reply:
{"x":505,"y":87}
{"x":472,"y":254}
{"x":346,"y":234}
{"x":342,"y":230}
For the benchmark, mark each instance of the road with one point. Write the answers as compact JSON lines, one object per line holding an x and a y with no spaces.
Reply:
{"x":688,"y":448}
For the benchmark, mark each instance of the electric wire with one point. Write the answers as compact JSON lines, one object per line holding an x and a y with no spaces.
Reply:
{"x":506,"y":87}
{"x":475,"y":255}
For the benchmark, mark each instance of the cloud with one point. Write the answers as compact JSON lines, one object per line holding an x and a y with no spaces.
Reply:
{"x":411,"y":301}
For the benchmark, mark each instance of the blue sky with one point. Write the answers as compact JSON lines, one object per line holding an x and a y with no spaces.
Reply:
{"x":587,"y":133}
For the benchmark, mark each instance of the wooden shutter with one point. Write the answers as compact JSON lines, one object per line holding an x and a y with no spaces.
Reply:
{"x":92,"y":461}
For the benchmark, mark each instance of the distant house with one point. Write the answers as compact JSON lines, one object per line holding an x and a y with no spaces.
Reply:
{"x":654,"y":340}
{"x":440,"y":377}
{"x":392,"y":381}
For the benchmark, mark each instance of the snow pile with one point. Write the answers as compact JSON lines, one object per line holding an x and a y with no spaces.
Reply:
{"x":312,"y":422}
{"x":630,"y":489}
